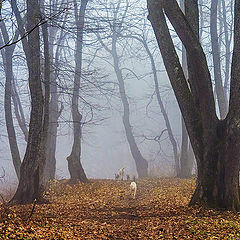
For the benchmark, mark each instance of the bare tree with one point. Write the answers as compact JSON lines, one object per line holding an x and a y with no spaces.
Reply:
{"x":116,"y":26}
{"x":215,"y":142}
{"x":74,"y":165}
{"x":143,"y":41}
{"x":54,"y":110}
{"x":29,"y":187}
{"x":18,"y":109}
{"x":7,"y":55}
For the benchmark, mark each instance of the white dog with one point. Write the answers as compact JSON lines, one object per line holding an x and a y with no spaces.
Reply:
{"x":133,"y":189}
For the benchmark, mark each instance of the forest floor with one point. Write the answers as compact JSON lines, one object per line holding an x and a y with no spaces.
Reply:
{"x":104,"y":209}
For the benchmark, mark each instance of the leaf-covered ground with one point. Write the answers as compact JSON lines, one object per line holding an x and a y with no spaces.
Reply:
{"x":103,"y":209}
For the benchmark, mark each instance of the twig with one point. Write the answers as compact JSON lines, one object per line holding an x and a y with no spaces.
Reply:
{"x":34,"y":204}
{"x":41,"y":22}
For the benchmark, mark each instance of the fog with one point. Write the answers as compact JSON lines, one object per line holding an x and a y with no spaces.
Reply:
{"x":119,"y":119}
{"x":105,"y":147}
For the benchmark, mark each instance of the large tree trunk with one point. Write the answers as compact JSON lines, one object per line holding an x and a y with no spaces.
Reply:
{"x":218,"y":170}
{"x":74,"y":165}
{"x":29,"y":183}
{"x":215,"y":142}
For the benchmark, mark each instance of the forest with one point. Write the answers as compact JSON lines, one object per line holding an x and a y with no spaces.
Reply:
{"x":119,"y":119}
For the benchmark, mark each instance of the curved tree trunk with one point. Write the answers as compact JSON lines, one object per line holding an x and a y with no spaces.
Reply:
{"x":74,"y":165}
{"x":141,"y":163}
{"x":164,"y":113}
{"x":9,"y":119}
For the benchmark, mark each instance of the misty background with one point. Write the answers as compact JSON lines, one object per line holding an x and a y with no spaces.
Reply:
{"x":104,"y":145}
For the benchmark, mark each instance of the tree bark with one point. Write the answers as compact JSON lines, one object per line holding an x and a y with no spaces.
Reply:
{"x":8,"y":116}
{"x":202,"y":19}
{"x":29,"y":187}
{"x":218,"y":171}
{"x":74,"y":165}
